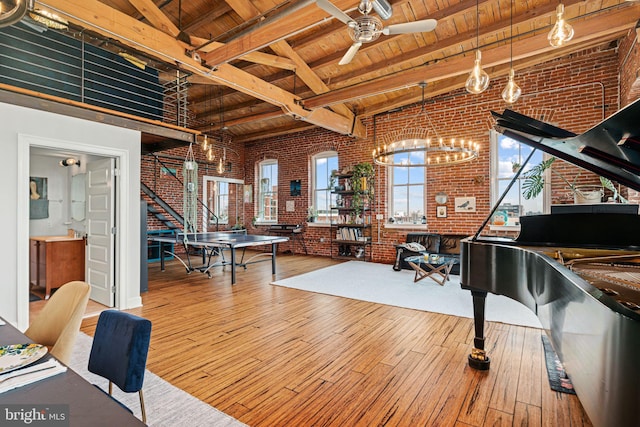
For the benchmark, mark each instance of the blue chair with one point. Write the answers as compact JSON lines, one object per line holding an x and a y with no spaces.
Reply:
{"x":119,"y":351}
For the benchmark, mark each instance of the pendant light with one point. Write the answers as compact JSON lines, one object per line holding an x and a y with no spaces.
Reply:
{"x":512,"y":91}
{"x":478,"y":79}
{"x":561,"y":31}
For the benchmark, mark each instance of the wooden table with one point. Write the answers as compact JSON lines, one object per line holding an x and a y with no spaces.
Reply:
{"x":434,"y":266}
{"x":83,"y":403}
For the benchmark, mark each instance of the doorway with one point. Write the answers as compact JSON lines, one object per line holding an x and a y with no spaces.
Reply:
{"x":116,"y":249}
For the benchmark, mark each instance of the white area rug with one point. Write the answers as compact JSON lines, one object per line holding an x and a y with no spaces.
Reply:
{"x":166,"y":405}
{"x":379,"y":283}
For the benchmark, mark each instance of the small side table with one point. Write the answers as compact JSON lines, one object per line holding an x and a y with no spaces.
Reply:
{"x":432,"y":266}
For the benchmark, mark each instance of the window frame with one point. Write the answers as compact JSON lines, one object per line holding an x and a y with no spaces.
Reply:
{"x":495,"y":193}
{"x":391,"y":186}
{"x":208,"y":180}
{"x":260,"y":215}
{"x":331,"y":197}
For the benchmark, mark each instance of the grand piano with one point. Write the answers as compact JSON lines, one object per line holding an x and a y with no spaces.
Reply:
{"x":579,"y":272}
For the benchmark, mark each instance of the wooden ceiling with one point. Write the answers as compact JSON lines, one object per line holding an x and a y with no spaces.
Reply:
{"x":264,"y":68}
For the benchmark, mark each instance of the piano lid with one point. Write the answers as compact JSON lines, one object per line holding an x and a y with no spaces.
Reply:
{"x":610,"y":149}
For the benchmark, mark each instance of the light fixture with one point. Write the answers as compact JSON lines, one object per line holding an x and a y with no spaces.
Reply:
{"x":12,"y":11}
{"x":221,"y":161}
{"x":478,"y":79}
{"x":512,"y":91}
{"x":561,"y":31}
{"x":415,"y":139}
{"x":70,"y":162}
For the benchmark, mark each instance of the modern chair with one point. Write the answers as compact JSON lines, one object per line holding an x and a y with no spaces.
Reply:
{"x":58,"y":323}
{"x":119,"y":351}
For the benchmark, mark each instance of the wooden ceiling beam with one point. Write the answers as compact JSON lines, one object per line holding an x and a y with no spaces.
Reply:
{"x":492,"y":31}
{"x":590,"y":28}
{"x":161,"y":22}
{"x":272,"y":30}
{"x":107,"y":21}
{"x":247,"y":12}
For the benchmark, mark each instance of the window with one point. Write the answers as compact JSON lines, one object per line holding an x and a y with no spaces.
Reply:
{"x":218,"y":201}
{"x":321,"y":197}
{"x":506,"y":157}
{"x":222,"y":201}
{"x":407,"y":200}
{"x":268,"y":191}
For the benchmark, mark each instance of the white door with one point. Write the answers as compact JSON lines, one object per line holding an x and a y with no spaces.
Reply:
{"x":100,"y":236}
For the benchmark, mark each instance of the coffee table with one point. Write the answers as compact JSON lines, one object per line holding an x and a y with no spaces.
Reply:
{"x":435,"y":266}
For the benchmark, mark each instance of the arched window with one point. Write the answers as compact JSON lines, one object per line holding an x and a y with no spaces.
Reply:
{"x":268,"y":191}
{"x":322,"y":164}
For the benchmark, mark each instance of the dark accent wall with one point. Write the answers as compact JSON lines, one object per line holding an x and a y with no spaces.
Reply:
{"x":57,"y":64}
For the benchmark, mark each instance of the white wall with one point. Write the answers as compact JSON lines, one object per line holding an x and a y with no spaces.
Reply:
{"x":58,"y":184}
{"x":23,"y":128}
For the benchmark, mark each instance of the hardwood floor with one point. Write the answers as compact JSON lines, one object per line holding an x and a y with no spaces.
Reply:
{"x":273,"y":356}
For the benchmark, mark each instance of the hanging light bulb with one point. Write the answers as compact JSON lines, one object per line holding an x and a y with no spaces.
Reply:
{"x":205,"y":143}
{"x":478,"y":79}
{"x":210,"y":155}
{"x":512,"y":91}
{"x":220,"y":166}
{"x":561,"y":31}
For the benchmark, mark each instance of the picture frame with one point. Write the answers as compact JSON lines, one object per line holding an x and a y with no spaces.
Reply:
{"x":441,"y":211}
{"x":295,"y":187}
{"x":248,"y":193}
{"x":465,"y":204}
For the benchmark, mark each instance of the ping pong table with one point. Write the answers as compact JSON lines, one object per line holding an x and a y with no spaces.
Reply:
{"x":213,"y":246}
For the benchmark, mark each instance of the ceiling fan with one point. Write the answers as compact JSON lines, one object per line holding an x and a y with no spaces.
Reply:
{"x":367,"y":28}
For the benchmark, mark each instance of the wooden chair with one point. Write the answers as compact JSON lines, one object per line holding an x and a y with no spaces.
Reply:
{"x":119,"y":352}
{"x":58,"y":323}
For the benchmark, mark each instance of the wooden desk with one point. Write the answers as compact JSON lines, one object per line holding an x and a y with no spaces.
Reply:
{"x":55,"y":260}
{"x":293,"y":230}
{"x":87,"y":406}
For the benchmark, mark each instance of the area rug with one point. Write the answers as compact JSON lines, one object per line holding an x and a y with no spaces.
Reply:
{"x":166,"y":405}
{"x":379,"y":283}
{"x":558,"y":379}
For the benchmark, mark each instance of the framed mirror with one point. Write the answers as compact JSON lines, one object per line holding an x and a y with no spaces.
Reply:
{"x":78,"y":197}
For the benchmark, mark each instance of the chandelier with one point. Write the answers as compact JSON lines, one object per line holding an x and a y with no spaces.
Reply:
{"x":413,"y":147}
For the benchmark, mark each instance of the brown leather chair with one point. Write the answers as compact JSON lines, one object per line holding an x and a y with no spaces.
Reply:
{"x":58,"y":323}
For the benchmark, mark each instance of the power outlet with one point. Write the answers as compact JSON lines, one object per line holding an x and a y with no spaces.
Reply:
{"x":379,"y":216}
{"x":322,"y":240}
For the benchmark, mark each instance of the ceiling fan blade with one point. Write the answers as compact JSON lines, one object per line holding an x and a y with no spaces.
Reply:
{"x":348,"y":56}
{"x":411,"y":27}
{"x":328,"y":7}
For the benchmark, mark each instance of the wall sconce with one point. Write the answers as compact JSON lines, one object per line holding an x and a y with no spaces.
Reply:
{"x":69,"y":162}
{"x":13,"y":11}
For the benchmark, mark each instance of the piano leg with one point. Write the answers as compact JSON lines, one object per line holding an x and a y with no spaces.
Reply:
{"x":478,"y":358}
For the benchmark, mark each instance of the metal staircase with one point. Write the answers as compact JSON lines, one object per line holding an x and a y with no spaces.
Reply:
{"x":169,"y":223}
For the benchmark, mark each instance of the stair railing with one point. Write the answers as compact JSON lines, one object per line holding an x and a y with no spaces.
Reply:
{"x":165,"y":205}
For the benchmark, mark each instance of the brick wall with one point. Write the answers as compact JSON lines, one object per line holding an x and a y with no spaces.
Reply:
{"x":574,"y":93}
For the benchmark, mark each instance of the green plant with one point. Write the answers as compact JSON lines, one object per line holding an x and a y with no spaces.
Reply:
{"x":360,"y":184}
{"x":606,"y":183}
{"x":311,"y":213}
{"x":534,"y":182}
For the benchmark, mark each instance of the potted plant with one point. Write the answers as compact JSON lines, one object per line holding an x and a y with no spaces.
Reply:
{"x":312,"y":214}
{"x":361,"y":176}
{"x":534,"y":183}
